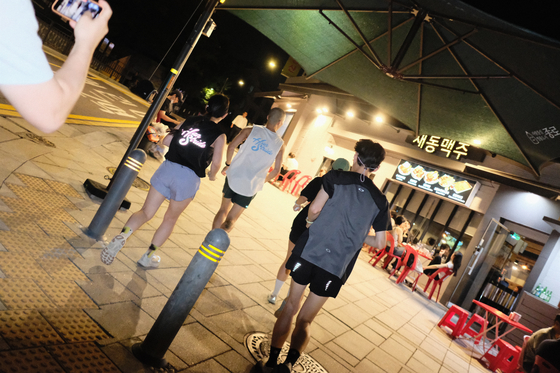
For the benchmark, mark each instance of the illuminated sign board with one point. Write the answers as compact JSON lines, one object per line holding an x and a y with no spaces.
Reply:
{"x":438,"y":182}
{"x":450,"y":147}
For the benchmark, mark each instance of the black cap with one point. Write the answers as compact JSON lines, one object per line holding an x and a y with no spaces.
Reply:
{"x":177,"y":93}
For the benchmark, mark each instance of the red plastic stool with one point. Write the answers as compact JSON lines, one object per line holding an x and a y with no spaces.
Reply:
{"x":478,"y":320}
{"x":506,"y":360}
{"x":455,"y":327}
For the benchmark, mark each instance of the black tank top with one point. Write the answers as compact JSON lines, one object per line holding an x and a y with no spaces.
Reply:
{"x":191,"y":145}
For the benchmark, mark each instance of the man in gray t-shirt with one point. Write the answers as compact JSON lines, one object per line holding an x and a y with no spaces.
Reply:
{"x":339,"y":220}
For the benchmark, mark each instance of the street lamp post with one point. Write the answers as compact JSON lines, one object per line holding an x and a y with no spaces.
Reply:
{"x":165,"y":88}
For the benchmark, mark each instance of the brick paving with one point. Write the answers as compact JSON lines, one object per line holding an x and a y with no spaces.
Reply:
{"x":62,"y":310}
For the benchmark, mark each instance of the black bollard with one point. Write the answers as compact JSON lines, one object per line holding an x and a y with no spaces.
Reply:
{"x":115,"y":196}
{"x":202,"y":266}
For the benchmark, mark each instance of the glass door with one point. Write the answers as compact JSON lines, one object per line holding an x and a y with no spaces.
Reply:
{"x":486,"y":255}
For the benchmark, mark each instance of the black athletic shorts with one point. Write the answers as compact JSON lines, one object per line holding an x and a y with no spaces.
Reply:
{"x":321,"y":282}
{"x":236,"y":198}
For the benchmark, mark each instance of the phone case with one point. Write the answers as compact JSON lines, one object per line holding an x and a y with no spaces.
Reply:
{"x":68,"y":9}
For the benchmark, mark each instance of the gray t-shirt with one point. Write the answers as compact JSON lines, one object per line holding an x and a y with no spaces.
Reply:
{"x":334,"y":240}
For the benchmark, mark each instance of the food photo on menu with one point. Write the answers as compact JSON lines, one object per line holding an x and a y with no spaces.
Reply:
{"x":434,"y":181}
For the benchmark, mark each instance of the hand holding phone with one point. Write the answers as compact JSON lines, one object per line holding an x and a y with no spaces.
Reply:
{"x":72,"y":10}
{"x":88,"y":31}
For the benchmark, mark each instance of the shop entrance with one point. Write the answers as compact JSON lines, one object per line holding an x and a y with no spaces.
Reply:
{"x":504,"y":258}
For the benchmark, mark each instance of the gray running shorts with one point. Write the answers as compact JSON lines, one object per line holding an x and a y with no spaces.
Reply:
{"x":175,"y":182}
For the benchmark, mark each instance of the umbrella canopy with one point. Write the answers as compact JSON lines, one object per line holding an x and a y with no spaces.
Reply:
{"x":441,"y":67}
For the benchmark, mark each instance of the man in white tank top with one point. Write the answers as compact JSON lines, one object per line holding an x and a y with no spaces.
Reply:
{"x":247,"y":172}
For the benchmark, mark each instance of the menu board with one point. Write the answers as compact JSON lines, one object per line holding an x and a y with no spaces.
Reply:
{"x":438,"y":182}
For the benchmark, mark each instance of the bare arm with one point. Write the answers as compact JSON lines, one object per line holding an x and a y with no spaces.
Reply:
{"x":167,"y":139}
{"x":47,"y":105}
{"x":299,"y":202}
{"x":219,"y":146}
{"x":167,"y":118}
{"x":399,"y":237}
{"x":317,"y":205}
{"x":378,"y":240}
{"x":277,"y":165}
{"x":436,"y":266}
{"x":239,"y":139}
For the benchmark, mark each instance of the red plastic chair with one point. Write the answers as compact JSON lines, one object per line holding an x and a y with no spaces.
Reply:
{"x":544,"y":366}
{"x":458,"y":326}
{"x":289,"y":178}
{"x":505,"y":360}
{"x":406,"y":270}
{"x":473,"y":333}
{"x":300,"y":184}
{"x":388,"y":253}
{"x":437,"y":283}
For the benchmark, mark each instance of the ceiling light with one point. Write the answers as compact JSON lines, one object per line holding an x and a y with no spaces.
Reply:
{"x":514,"y":268}
{"x":272,"y":64}
{"x":524,"y":266}
{"x":319,"y":111}
{"x":325,"y":110}
{"x":350,"y":114}
{"x":477,"y":142}
{"x":379,"y":118}
{"x":289,"y":106}
{"x":241,"y":82}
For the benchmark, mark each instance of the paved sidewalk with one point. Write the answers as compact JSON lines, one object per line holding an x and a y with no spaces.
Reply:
{"x":61,"y":308}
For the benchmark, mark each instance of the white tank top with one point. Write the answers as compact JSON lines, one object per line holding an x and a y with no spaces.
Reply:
{"x":250,"y":166}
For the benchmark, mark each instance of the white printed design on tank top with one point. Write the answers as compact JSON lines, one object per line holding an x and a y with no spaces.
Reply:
{"x":193,"y":136}
{"x":261,"y":144}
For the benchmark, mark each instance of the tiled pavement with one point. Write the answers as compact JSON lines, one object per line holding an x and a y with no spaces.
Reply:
{"x":62,"y":310}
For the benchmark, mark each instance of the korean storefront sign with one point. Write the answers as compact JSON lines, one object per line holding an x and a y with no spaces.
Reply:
{"x":438,"y":182}
{"x":450,"y":148}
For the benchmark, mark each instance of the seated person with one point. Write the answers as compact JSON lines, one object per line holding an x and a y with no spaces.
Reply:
{"x":530,"y":348}
{"x":164,"y":115}
{"x":454,"y":263}
{"x":439,"y":251}
{"x":289,"y":165}
{"x":401,"y":226}
{"x":549,"y":350}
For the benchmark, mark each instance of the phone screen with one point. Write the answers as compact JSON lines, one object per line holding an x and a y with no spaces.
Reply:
{"x":73,"y":9}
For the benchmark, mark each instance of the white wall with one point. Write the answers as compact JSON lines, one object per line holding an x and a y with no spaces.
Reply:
{"x":550,"y":275}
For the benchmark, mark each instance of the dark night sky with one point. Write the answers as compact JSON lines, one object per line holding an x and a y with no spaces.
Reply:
{"x":236,"y":50}
{"x":233,"y":48}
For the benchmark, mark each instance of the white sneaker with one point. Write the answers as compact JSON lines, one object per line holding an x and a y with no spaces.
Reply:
{"x":112,"y":249}
{"x":149,"y":261}
{"x":271,"y":299}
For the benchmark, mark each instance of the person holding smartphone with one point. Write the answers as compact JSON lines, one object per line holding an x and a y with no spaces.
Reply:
{"x":25,"y":74}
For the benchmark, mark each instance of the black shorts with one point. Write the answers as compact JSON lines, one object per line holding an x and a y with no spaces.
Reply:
{"x":321,"y":282}
{"x":236,"y":198}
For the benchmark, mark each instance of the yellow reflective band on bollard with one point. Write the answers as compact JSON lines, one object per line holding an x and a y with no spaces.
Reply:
{"x":133,"y":164}
{"x":174,"y":71}
{"x":209,"y":253}
{"x":216,"y":249}
{"x":206,"y":256}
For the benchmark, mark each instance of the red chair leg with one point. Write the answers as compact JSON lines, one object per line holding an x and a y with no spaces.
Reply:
{"x":379,"y":256}
{"x":416,"y":281}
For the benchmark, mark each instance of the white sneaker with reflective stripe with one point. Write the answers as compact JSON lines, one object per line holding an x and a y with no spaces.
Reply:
{"x":112,"y":249}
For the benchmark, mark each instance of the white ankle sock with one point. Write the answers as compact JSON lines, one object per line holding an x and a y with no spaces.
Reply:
{"x":277,"y":287}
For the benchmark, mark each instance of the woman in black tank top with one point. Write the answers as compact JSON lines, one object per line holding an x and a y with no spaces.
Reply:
{"x":193,"y":146}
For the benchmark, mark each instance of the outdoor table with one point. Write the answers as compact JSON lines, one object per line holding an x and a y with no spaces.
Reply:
{"x":500,"y":318}
{"x":424,"y":256}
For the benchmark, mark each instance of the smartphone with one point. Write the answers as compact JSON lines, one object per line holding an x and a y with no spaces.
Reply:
{"x":72,"y":10}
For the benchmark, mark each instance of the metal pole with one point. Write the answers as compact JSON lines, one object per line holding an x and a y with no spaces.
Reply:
{"x":114,"y":198}
{"x":202,"y":266}
{"x":168,"y":83}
